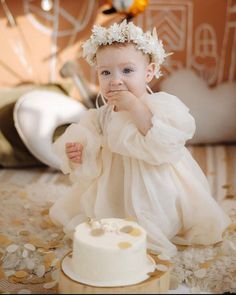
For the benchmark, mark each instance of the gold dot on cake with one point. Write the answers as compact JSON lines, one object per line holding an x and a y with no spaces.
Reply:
{"x":135,"y":232}
{"x":130,"y":218}
{"x":229,"y":196}
{"x":124,"y":245}
{"x":97,"y":232}
{"x":126,"y":229}
{"x":226,"y":186}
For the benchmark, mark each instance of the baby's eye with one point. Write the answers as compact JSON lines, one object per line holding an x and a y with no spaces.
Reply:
{"x":127,"y":70}
{"x":105,"y":73}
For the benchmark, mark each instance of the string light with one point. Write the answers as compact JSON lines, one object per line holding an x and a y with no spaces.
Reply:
{"x":46,"y":5}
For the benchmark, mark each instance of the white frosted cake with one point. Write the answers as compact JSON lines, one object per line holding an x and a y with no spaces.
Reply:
{"x":110,"y":252}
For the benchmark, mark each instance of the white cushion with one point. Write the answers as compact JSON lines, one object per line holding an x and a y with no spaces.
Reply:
{"x":37,"y":114}
{"x":214,"y":109}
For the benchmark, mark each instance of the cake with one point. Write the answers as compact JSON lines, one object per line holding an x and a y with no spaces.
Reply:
{"x":110,"y":252}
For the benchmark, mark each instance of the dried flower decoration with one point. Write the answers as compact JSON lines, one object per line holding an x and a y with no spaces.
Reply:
{"x":147,"y":42}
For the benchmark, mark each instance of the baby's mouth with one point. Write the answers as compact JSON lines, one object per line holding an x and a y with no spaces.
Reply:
{"x":115,"y":90}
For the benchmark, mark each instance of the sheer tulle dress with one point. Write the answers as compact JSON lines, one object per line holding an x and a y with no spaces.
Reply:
{"x":152,"y":178}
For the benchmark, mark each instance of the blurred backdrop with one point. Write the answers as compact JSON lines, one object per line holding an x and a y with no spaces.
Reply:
{"x":35,"y":43}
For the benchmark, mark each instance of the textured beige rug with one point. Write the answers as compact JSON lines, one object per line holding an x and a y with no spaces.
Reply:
{"x":31,"y":246}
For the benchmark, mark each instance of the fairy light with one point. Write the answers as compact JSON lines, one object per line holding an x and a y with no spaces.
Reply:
{"x":46,"y":5}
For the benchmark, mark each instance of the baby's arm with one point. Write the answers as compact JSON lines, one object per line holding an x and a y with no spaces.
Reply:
{"x":142,"y":116}
{"x":164,"y":142}
{"x":74,"y":152}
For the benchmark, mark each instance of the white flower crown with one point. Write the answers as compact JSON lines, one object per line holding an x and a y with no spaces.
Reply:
{"x":147,"y":42}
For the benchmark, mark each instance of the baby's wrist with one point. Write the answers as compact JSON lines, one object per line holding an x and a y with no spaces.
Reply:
{"x":136,"y":107}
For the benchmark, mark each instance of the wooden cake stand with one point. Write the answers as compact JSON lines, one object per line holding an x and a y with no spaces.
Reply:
{"x":157,"y":283}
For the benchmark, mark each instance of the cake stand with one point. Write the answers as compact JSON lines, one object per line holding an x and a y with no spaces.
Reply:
{"x":157,"y":283}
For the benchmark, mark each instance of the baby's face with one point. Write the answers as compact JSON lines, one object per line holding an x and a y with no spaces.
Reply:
{"x":122,"y":68}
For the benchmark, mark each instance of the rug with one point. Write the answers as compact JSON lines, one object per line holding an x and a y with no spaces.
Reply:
{"x":31,"y":246}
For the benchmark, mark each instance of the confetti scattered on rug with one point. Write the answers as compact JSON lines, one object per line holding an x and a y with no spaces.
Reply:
{"x":31,"y":247}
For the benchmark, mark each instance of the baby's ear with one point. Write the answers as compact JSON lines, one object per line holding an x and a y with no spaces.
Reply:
{"x":151,"y":68}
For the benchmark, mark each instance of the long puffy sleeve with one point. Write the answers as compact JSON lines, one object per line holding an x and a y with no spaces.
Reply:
{"x":86,"y":132}
{"x":172,"y":126}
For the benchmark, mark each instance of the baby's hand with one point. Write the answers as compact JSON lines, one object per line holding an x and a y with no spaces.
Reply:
{"x":122,"y":100}
{"x":74,"y":152}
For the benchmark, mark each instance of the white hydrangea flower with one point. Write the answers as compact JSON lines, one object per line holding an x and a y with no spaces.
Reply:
{"x":100,"y":34}
{"x":147,"y":42}
{"x":115,"y":34}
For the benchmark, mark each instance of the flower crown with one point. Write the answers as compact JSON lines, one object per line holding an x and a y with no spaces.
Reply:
{"x":147,"y":42}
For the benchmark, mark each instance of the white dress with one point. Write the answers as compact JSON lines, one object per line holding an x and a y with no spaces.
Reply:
{"x":152,"y":178}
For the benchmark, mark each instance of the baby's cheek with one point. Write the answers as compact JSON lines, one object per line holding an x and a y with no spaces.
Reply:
{"x":103,"y":86}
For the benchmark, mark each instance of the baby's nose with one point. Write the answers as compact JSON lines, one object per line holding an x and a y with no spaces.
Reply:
{"x":116,"y":82}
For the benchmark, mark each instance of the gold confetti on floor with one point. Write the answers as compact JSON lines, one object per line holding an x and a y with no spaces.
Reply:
{"x":31,"y":246}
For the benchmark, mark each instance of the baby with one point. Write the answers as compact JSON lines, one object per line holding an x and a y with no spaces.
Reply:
{"x":128,"y":157}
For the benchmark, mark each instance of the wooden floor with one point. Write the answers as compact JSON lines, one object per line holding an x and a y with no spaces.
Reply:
{"x":218,"y":162}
